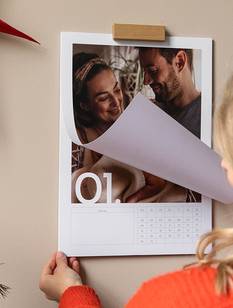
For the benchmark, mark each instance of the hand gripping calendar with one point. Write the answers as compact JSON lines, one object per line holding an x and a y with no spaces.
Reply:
{"x":137,"y":173}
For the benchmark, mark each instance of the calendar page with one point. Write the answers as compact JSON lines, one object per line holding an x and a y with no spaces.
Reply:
{"x":137,"y":173}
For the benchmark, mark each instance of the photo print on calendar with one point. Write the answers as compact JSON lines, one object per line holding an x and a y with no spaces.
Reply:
{"x":105,"y":79}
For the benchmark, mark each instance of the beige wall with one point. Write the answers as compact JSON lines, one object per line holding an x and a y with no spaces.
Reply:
{"x":29,"y":114}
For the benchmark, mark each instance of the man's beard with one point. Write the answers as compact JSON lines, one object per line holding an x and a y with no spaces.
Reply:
{"x":169,"y":89}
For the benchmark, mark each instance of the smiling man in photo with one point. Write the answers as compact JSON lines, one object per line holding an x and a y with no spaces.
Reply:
{"x":168,"y":71}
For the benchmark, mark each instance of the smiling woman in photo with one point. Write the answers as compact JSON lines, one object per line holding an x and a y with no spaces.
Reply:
{"x":97,"y":96}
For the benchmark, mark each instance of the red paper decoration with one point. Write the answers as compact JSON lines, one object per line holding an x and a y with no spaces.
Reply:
{"x":5,"y":28}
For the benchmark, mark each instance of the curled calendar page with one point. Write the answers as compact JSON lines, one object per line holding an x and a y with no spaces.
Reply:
{"x":136,"y":167}
{"x":147,"y":138}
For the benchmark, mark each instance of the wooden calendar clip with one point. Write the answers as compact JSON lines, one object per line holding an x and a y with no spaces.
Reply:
{"x":138,"y":32}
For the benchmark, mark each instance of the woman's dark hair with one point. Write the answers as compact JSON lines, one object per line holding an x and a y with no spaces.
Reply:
{"x":82,"y":117}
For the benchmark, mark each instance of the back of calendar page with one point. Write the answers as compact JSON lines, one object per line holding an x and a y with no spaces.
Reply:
{"x":135,"y":138}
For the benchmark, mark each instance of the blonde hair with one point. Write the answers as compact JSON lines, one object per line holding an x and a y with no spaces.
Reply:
{"x":221,"y":238}
{"x":223,"y":124}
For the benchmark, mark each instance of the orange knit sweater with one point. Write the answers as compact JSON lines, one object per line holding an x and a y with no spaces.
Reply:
{"x":189,"y":288}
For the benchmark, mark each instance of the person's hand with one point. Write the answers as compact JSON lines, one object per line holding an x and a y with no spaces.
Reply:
{"x":153,"y":185}
{"x":59,"y":274}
